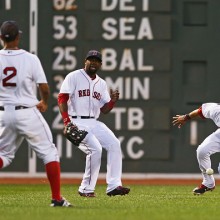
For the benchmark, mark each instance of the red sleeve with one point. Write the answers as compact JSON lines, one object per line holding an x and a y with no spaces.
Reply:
{"x":200,"y":112}
{"x":109,"y":105}
{"x":63,"y":98}
{"x":66,"y":118}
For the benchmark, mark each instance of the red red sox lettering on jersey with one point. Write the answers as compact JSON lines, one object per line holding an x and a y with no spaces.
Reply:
{"x":86,"y":96}
{"x":86,"y":92}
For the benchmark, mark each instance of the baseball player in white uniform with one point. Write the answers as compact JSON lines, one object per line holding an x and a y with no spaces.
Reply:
{"x":83,"y":95}
{"x":209,"y":146}
{"x":20,"y":116}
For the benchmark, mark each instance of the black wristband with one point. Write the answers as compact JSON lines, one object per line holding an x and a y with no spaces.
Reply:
{"x":186,"y":117}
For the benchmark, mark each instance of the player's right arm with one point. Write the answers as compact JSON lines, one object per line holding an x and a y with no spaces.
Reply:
{"x":63,"y":97}
{"x":44,"y":95}
{"x":62,"y":103}
{"x":180,"y":120}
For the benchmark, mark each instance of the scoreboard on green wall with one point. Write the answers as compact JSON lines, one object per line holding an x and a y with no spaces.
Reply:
{"x":133,"y":37}
{"x":145,"y":54}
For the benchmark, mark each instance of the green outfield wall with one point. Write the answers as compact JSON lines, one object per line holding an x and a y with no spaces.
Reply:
{"x":162,"y":55}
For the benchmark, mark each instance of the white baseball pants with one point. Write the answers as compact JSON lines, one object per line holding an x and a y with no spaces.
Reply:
{"x":99,"y":136}
{"x":209,"y":146}
{"x":15,"y":125}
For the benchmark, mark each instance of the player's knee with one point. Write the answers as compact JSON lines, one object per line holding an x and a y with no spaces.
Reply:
{"x":51,"y":156}
{"x":98,"y":151}
{"x":202,"y":152}
{"x":115,"y":145}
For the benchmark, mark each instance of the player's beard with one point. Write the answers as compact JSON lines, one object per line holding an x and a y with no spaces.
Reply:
{"x":92,"y":70}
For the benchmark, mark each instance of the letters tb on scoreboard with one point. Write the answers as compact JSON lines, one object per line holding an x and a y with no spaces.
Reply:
{"x":133,"y":37}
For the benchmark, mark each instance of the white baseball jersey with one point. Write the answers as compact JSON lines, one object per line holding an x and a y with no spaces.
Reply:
{"x":86,"y":96}
{"x":19,"y":71}
{"x":210,"y":145}
{"x":212,"y":111}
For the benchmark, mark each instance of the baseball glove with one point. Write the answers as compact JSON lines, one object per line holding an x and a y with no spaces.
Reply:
{"x":73,"y":134}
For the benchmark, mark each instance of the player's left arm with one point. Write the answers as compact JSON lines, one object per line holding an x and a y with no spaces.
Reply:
{"x":44,"y":91}
{"x":107,"y":107}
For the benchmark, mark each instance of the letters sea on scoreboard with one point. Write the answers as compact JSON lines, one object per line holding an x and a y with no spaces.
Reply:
{"x":123,"y":29}
{"x":125,"y":24}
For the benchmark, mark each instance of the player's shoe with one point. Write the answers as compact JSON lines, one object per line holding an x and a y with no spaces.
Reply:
{"x":120,"y":190}
{"x":202,"y":189}
{"x":62,"y":203}
{"x":92,"y":194}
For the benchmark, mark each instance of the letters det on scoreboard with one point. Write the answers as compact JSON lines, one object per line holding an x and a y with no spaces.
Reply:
{"x":133,"y":42}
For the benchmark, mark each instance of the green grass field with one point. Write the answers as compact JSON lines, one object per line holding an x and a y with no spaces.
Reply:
{"x":31,"y":202}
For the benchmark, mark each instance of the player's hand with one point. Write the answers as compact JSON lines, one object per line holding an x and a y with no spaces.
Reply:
{"x":73,"y":134}
{"x":42,"y":106}
{"x":65,"y":128}
{"x":114,"y":95}
{"x":179,"y":120}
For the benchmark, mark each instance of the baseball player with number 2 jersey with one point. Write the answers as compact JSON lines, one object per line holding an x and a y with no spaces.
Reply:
{"x":209,"y":146}
{"x":83,"y":95}
{"x":20,"y":110}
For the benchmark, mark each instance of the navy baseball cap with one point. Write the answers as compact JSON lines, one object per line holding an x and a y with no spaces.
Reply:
{"x":9,"y":30}
{"x":94,"y":53}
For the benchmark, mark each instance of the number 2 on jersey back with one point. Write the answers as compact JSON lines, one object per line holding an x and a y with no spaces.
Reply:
{"x":10,"y":72}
